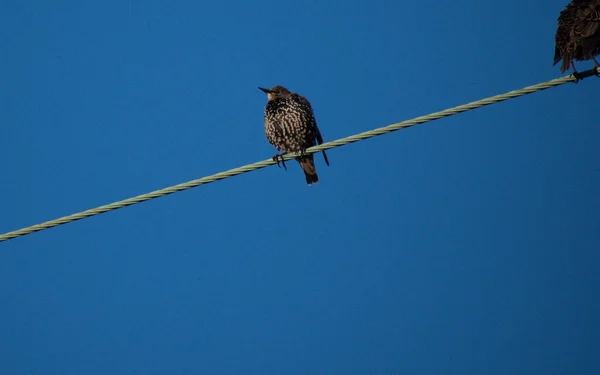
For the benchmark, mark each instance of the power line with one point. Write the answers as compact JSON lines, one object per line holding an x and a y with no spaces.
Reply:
{"x":324,"y":146}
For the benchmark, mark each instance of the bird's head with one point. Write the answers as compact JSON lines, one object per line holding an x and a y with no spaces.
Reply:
{"x":276,"y":92}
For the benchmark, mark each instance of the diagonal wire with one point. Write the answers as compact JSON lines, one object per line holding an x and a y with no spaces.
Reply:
{"x":324,"y":146}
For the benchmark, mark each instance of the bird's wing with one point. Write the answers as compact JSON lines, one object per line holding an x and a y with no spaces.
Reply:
{"x":318,"y":136}
{"x":302,"y":100}
{"x":563,"y":39}
{"x":588,"y":19}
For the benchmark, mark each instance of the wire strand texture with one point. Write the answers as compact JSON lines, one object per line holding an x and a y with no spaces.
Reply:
{"x":324,"y":146}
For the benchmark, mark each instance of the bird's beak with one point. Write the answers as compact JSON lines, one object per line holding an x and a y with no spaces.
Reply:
{"x":266,"y":91}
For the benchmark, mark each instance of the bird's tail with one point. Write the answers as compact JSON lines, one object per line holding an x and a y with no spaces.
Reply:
{"x":566,"y":64}
{"x":566,"y":60}
{"x":307,"y":164}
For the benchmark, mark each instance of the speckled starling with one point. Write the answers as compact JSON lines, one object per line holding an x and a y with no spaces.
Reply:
{"x":290,"y":126}
{"x":578,"y":33}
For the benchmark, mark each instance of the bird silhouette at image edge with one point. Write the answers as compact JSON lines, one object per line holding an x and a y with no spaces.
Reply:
{"x":577,"y":34}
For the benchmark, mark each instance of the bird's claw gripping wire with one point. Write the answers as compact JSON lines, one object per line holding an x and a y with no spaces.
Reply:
{"x":279,"y":160}
{"x":575,"y":73}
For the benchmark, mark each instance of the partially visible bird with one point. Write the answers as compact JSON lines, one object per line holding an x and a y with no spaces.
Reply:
{"x":290,"y":126}
{"x":578,"y":33}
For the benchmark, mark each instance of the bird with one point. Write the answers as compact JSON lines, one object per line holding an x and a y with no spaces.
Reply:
{"x":577,"y":34}
{"x":290,"y":126}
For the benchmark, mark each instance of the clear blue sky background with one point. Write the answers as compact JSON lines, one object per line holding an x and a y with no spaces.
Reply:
{"x":467,"y":245}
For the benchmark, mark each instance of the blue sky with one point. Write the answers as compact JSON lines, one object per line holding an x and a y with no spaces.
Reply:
{"x":467,"y":245}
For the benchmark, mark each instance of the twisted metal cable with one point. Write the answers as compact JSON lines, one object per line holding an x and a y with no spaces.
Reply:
{"x":324,"y":146}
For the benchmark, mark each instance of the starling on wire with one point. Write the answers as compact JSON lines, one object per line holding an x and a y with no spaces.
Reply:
{"x":290,"y":126}
{"x":578,"y":33}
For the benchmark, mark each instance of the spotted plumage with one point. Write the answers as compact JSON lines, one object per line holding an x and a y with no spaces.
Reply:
{"x":290,"y":126}
{"x":578,"y":33}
